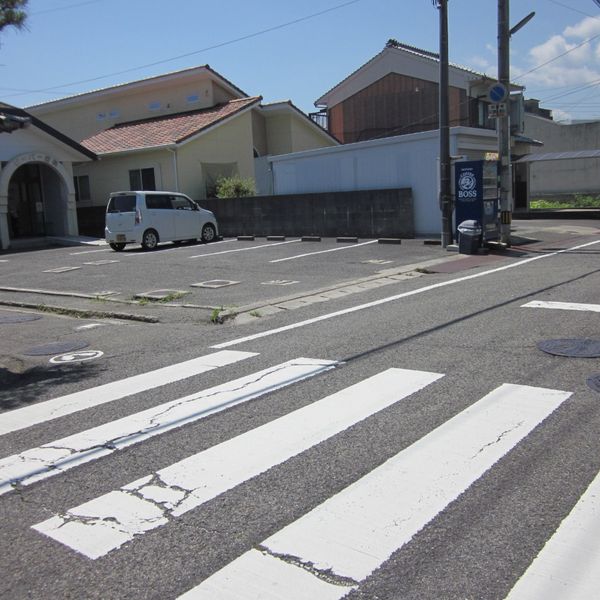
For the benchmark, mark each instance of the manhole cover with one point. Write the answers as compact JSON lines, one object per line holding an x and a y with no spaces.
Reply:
{"x":594,"y":382}
{"x":55,"y":348}
{"x":18,"y":318}
{"x":214,"y":284}
{"x":575,"y":348}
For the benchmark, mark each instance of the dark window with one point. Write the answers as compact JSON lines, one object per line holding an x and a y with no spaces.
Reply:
{"x":82,"y":187}
{"x":125,"y":203}
{"x":158,"y":201}
{"x":181,"y":203}
{"x":142,"y":179}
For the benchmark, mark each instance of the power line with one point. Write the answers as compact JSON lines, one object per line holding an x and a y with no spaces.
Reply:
{"x":188,"y":54}
{"x":67,"y":7}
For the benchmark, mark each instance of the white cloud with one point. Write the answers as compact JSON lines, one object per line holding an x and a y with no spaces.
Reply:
{"x":563,"y":59}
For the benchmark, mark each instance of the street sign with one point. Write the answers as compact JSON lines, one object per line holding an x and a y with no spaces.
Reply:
{"x":496,"y":111}
{"x":497,"y":93}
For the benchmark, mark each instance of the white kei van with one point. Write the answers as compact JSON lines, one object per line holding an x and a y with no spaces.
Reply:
{"x":148,"y":218}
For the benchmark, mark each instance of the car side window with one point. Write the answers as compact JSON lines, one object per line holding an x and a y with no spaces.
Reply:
{"x":181,"y":203}
{"x":158,"y":201}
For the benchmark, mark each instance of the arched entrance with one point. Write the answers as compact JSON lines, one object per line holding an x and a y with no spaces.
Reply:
{"x":37,"y":198}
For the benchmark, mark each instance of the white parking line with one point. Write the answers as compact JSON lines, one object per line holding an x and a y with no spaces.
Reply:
{"x":245,"y":249}
{"x":61,"y":455}
{"x":27,"y":416}
{"x":107,"y":522}
{"x":344,"y":539}
{"x":90,"y":251}
{"x":368,"y":305}
{"x":562,"y":306}
{"x":324,"y":251}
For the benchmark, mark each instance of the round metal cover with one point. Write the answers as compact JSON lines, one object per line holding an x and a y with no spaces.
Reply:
{"x":594,"y":382}
{"x":574,"y":348}
{"x":56,"y":348}
{"x":18,"y":318}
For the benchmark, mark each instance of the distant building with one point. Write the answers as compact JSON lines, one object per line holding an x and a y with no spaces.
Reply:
{"x":179,"y":131}
{"x":37,"y":191}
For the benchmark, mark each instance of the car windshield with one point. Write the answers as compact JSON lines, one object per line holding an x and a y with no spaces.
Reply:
{"x":121,"y":204}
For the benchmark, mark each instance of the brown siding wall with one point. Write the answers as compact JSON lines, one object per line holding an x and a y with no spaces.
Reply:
{"x":394,"y":105}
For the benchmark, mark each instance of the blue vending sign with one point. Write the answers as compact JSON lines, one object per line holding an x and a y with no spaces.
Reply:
{"x":468,"y":190}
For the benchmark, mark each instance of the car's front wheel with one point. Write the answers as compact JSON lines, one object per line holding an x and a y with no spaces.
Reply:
{"x":209,"y":233}
{"x":117,"y":246}
{"x":149,"y":239}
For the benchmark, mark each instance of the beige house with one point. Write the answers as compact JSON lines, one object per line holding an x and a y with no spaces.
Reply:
{"x":37,"y":193}
{"x":179,"y":131}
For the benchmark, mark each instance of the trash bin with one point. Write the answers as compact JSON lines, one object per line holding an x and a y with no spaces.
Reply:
{"x":469,"y":237}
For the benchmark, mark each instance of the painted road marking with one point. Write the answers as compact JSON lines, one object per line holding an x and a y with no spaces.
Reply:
{"x":244,"y":249}
{"x":562,"y":306}
{"x":369,"y":305}
{"x":351,"y":534}
{"x":568,"y":566}
{"x":61,"y":455}
{"x":82,"y":356}
{"x":107,"y":522}
{"x":323,"y":251}
{"x":22,"y":418}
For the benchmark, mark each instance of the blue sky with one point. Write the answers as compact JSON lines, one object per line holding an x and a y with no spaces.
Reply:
{"x":305,"y":48}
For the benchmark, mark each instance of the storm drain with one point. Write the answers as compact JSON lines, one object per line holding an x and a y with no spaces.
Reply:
{"x":98,"y":263}
{"x":215,"y":283}
{"x":594,"y":382}
{"x":18,"y":318}
{"x":279,"y":282}
{"x":572,"y":348}
{"x":62,"y":269}
{"x":55,"y":348}
{"x":161,"y":295}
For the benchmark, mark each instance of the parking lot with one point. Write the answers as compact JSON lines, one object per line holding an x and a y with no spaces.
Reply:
{"x":228,"y":274}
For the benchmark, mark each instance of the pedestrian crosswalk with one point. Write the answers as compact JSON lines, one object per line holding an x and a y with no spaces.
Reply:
{"x":331,"y":549}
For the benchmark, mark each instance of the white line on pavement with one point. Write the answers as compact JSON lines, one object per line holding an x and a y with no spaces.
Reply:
{"x":22,"y":418}
{"x":90,"y":251}
{"x":278,"y":260}
{"x":352,"y":533}
{"x":245,"y":249}
{"x":64,"y":454}
{"x":568,"y":566}
{"x":563,"y":306}
{"x":368,"y":305}
{"x":107,"y":522}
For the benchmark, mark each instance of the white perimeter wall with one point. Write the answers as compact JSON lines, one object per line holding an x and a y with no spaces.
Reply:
{"x":408,"y":161}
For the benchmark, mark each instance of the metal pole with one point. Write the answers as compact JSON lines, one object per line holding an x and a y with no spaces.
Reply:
{"x":506,"y":200}
{"x":445,"y":191}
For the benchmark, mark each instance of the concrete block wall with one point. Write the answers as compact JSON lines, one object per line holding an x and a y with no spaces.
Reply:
{"x":365,"y":213}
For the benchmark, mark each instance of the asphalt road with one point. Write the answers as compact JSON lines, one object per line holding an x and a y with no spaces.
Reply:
{"x":404,"y":437}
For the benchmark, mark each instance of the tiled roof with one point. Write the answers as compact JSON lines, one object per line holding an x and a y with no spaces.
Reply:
{"x":164,"y":130}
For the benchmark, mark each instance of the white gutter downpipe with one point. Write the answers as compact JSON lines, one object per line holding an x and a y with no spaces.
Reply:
{"x":173,"y":150}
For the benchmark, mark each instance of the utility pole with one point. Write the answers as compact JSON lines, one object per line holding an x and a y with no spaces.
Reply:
{"x":445,"y":194}
{"x":505,"y":174}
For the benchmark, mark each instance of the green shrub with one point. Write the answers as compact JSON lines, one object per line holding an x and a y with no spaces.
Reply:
{"x":235,"y":187}
{"x":579,"y":201}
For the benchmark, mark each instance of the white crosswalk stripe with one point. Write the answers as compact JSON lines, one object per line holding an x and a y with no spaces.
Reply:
{"x":61,"y":455}
{"x":107,"y":522}
{"x":563,"y":306}
{"x":347,"y":537}
{"x":568,"y":567}
{"x":109,"y":392}
{"x":333,"y":548}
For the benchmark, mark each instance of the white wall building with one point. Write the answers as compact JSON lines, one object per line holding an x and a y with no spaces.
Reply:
{"x":408,"y":161}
